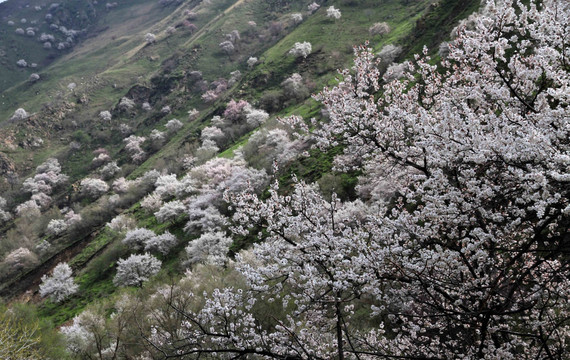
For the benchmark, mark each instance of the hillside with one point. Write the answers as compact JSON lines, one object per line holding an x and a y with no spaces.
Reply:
{"x":145,"y":122}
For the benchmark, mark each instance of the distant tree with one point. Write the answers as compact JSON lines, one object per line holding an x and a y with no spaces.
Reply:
{"x":235,"y":76}
{"x":209,"y":96}
{"x":157,"y":138}
{"x":93,"y":188}
{"x":34,"y":77}
{"x":251,"y":62}
{"x":276,"y":28}
{"x":146,"y":106}
{"x":294,"y":88}
{"x":100,"y":159}
{"x":125,"y":129}
{"x":137,"y":238}
{"x":105,"y":115}
{"x":56,"y":227}
{"x":256,"y":117}
{"x":166,"y":185}
{"x":121,"y":185}
{"x":126,"y":104}
{"x":333,"y":12}
{"x":380,"y":28}
{"x":136,"y":269}
{"x":133,"y":147}
{"x":265,"y":148}
{"x":170,"y":211}
{"x":46,"y":37}
{"x":121,"y":223}
{"x":162,"y":243}
{"x":235,"y":110}
{"x":313,"y":7}
{"x":227,"y":47}
{"x":189,"y":26}
{"x":71,"y":217}
{"x":190,"y":15}
{"x":43,"y":248}
{"x":174,"y":125}
{"x":28,"y":209}
{"x":4,"y":215}
{"x":60,"y":285}
{"x":301,"y":49}
{"x":19,"y":259}
{"x":109,"y":170}
{"x":207,"y":150}
{"x":388,"y":55}
{"x":19,"y":114}
{"x":193,"y":114}
{"x":233,"y":37}
{"x":395,"y":71}
{"x":297,"y":18}
{"x":211,"y":248}
{"x":152,"y":202}
{"x":212,"y":133}
{"x":42,"y":200}
{"x":150,"y":38}
{"x":204,"y":219}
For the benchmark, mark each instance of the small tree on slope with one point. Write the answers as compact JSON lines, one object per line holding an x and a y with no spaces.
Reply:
{"x":60,"y":285}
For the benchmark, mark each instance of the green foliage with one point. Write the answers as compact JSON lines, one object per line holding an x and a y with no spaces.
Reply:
{"x":23,"y":335}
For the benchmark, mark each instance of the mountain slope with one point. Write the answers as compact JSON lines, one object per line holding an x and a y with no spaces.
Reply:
{"x":112,"y":60}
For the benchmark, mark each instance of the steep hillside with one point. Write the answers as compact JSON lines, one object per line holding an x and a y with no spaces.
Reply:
{"x":178,"y":74}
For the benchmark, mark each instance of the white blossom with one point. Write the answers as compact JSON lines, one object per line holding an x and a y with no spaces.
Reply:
{"x":301,"y":49}
{"x":333,"y":12}
{"x":60,"y":285}
{"x":136,"y":269}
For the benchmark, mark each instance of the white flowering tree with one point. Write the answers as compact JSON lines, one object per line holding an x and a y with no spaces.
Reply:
{"x":136,"y":269}
{"x":162,"y":243}
{"x":170,"y":211}
{"x":60,"y":285}
{"x":301,"y":49}
{"x":461,"y":252}
{"x":93,"y":188}
{"x":211,"y":248}
{"x":105,"y":115}
{"x":137,"y":238}
{"x":133,"y":146}
{"x":150,"y":38}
